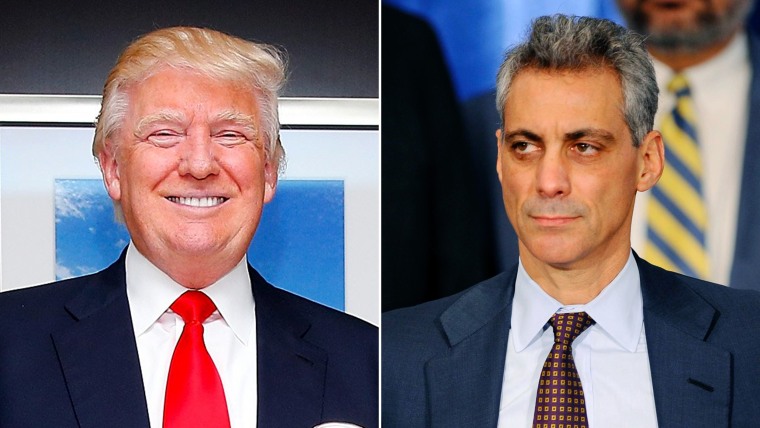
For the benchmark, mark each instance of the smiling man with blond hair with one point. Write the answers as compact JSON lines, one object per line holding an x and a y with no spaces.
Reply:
{"x":181,"y":331}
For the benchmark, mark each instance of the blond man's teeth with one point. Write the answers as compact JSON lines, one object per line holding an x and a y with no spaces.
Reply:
{"x":197,"y":202}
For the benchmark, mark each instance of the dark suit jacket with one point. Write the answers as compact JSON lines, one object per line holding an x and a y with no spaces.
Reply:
{"x":443,"y":361}
{"x":68,"y":358}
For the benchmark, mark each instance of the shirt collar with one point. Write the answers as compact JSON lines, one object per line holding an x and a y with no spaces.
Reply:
{"x":617,"y":310}
{"x":708,"y":72}
{"x":150,"y":292}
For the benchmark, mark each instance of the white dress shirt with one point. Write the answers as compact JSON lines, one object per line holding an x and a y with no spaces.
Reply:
{"x":720,"y":91}
{"x":610,"y":356}
{"x":229,"y":334}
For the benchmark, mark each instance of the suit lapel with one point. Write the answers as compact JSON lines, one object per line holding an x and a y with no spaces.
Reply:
{"x":98,"y":355}
{"x":465,"y":382}
{"x":691,"y":378}
{"x":291,"y":371}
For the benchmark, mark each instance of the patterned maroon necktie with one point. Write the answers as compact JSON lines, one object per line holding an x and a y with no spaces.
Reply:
{"x":560,"y":402}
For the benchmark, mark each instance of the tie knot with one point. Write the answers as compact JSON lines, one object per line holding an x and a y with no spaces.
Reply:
{"x":568,"y":326}
{"x":679,"y":85}
{"x":193,"y":306}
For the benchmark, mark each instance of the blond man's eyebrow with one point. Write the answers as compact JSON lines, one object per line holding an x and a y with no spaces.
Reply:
{"x":230,"y":116}
{"x":162,"y":116}
{"x":238,"y":118}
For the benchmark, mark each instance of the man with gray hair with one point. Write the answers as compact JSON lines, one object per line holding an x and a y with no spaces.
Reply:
{"x":181,"y":331}
{"x":581,"y":332}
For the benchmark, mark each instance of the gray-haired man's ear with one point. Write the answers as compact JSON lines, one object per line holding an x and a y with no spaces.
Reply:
{"x":652,"y":161}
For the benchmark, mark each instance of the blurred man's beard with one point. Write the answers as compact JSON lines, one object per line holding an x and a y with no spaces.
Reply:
{"x":709,"y":29}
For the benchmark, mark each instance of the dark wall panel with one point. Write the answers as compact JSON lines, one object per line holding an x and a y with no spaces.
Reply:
{"x":67,"y":47}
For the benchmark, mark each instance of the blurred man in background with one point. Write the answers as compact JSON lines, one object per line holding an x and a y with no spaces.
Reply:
{"x":706,"y":61}
{"x":436,"y":229}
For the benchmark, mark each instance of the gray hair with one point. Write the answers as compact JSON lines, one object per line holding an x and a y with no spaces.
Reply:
{"x":571,"y":43}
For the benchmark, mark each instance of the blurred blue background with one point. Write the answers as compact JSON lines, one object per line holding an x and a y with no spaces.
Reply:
{"x":475,"y":34}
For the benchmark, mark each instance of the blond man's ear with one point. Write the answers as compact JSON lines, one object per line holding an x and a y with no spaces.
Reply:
{"x":109,"y":166}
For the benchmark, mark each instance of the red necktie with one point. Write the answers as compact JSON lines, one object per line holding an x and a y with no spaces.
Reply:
{"x":194,"y":393}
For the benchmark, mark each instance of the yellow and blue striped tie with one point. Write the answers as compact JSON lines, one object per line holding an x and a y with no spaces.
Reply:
{"x":676,"y":212}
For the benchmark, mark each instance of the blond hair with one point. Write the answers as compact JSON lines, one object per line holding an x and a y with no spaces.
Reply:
{"x":255,"y":66}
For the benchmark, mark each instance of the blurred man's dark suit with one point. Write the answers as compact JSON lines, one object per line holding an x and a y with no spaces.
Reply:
{"x":436,"y":235}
